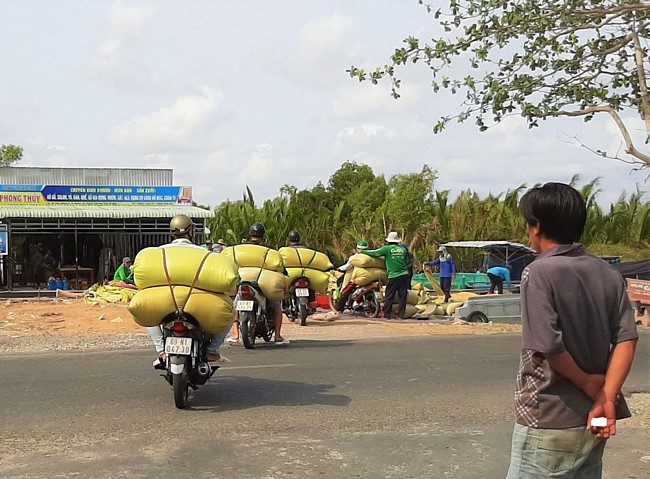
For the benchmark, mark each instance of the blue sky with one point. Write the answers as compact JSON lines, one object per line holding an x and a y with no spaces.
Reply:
{"x":255,"y":93}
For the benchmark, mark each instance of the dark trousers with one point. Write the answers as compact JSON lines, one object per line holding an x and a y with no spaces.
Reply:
{"x":396,"y":287}
{"x":495,"y":282}
{"x":445,"y":284}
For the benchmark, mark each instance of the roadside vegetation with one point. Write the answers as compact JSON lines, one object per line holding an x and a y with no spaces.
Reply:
{"x":356,"y":204}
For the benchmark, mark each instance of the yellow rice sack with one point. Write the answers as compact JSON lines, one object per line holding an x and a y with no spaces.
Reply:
{"x":271,"y":283}
{"x":318,"y":280}
{"x":254,"y":256}
{"x":409,"y":312}
{"x":361,"y":260}
{"x":218,"y":274}
{"x":305,"y":258}
{"x":452,"y":307}
{"x":213,"y":311}
{"x":364,"y":276}
{"x":412,"y":297}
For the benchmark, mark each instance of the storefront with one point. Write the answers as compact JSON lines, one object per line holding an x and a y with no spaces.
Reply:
{"x":82,"y":232}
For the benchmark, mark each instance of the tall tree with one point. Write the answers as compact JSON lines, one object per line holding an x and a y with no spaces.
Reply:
{"x":541,"y":59}
{"x":10,"y":154}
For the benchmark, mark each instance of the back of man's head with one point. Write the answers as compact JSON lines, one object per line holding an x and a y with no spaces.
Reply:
{"x":558,"y":209}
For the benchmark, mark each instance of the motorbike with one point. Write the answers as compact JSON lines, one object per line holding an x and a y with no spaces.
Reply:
{"x":296,"y":306}
{"x":187,"y":358}
{"x":363,"y":300}
{"x":256,"y":319}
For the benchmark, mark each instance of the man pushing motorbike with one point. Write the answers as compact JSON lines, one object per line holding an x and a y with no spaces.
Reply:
{"x":182,"y":229}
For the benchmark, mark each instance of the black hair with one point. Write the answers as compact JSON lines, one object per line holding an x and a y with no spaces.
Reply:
{"x":558,"y":209}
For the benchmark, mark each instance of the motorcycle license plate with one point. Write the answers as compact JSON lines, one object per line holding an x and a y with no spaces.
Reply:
{"x":244,"y":305}
{"x":181,"y":346}
{"x":301,"y":292}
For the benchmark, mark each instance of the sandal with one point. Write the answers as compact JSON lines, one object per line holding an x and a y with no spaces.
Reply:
{"x":284,"y":342}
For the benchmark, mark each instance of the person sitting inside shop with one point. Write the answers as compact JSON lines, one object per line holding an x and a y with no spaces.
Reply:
{"x":124,"y":273}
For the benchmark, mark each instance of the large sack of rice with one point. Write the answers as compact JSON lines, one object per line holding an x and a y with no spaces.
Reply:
{"x":364,"y":276}
{"x":412,"y":297}
{"x":213,"y":311}
{"x":305,"y":258}
{"x":271,"y":283}
{"x":254,"y":256}
{"x":217,"y":273}
{"x":361,"y":260}
{"x":408,"y":313}
{"x":318,"y":280}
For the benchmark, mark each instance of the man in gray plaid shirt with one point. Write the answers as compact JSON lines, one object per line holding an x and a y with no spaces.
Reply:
{"x":578,"y":343}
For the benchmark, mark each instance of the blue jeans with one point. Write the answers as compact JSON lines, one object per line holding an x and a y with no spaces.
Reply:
{"x":156,"y":334}
{"x":572,"y":453}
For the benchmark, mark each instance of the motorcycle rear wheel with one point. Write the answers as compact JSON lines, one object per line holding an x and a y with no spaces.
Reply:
{"x":303,"y":312}
{"x":247,"y":329}
{"x":371,"y":306}
{"x":181,"y":386}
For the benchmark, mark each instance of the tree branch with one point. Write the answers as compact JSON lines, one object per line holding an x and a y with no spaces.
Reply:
{"x":629,"y":144}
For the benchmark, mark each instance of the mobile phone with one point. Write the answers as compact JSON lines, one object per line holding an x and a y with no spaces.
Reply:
{"x":598,"y":422}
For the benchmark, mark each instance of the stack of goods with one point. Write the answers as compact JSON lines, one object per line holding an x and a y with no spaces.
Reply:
{"x":366,"y":270}
{"x":306,"y":262}
{"x":165,"y":277}
{"x":261,"y":265}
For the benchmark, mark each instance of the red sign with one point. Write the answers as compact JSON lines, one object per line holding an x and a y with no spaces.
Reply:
{"x":638,"y":290}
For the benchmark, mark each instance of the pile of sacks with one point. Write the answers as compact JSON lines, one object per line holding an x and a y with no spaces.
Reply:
{"x":214,"y":278}
{"x":261,"y":265}
{"x":306,"y":262}
{"x":366,"y":270}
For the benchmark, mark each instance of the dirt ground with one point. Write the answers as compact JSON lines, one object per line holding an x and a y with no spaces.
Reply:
{"x":76,"y":317}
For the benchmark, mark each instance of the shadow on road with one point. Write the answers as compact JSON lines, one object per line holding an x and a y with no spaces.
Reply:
{"x":301,"y":343}
{"x":231,"y":393}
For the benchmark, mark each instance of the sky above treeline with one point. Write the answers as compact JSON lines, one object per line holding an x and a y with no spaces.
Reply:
{"x":255,"y":93}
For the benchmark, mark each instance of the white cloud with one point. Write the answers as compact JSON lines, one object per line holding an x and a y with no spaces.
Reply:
{"x":323,"y":52}
{"x":184,"y":125}
{"x":126,"y":25}
{"x":363,"y":100}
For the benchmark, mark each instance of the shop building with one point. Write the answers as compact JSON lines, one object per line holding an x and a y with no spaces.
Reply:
{"x":78,"y":223}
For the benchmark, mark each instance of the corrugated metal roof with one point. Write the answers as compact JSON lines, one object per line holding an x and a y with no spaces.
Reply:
{"x":102,"y":211}
{"x":21,"y":175}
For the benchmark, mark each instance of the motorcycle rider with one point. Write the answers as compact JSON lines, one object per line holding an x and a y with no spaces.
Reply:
{"x":294,"y":239}
{"x":346,"y":290}
{"x":182,"y":228}
{"x":256,"y":234}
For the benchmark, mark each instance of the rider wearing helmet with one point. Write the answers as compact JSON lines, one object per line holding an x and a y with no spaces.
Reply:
{"x":294,"y":239}
{"x":256,"y":233}
{"x":182,"y":228}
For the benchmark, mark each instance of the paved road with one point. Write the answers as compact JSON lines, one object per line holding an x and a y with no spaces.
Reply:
{"x":434,"y":406}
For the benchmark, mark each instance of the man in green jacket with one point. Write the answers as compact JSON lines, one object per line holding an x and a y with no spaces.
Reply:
{"x":397,"y":259}
{"x":124,"y":272}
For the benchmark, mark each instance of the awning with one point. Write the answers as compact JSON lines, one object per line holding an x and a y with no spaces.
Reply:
{"x":491,"y":245}
{"x":101,"y":211}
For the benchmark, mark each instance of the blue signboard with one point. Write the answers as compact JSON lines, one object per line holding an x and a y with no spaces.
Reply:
{"x":111,"y":194}
{"x":42,"y":194}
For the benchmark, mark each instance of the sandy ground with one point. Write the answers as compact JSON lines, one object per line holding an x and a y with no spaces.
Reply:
{"x":76,"y":317}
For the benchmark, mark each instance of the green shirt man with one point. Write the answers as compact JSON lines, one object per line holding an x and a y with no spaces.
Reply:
{"x":396,"y":257}
{"x":124,"y":272}
{"x":397,"y":260}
